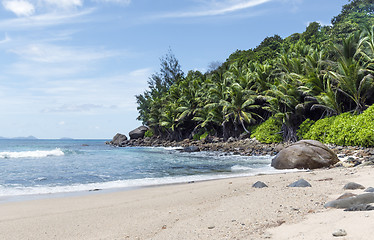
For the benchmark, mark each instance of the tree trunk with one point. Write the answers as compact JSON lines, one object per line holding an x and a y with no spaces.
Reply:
{"x":289,"y":132}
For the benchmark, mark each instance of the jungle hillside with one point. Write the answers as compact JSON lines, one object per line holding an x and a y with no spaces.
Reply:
{"x":317,"y":85}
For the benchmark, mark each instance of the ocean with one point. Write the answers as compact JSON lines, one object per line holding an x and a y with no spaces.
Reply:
{"x":45,"y":167}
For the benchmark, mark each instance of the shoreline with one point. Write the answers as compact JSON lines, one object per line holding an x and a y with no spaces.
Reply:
{"x":216,"y":209}
{"x":350,"y":156}
{"x":183,"y":180}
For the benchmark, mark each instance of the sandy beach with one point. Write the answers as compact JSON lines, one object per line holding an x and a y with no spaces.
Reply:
{"x":219,"y":209}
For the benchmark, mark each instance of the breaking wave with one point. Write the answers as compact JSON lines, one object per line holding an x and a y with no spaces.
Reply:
{"x":32,"y":154}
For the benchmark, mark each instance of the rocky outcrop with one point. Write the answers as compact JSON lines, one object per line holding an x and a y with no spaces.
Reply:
{"x":118,"y":140}
{"x":365,"y":198}
{"x":305,"y":154}
{"x":138,"y":132}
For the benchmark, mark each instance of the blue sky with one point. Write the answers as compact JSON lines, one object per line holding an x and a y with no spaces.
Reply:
{"x":71,"y":68}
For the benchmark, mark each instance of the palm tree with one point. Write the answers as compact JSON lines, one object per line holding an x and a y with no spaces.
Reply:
{"x":352,"y":78}
{"x":238,"y":107}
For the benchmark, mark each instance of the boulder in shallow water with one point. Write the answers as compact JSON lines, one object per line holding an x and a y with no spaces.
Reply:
{"x":305,"y":154}
{"x":118,"y":139}
{"x":191,"y":149}
{"x":138,"y":132}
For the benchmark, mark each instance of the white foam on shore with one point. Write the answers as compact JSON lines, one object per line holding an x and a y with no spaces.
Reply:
{"x":132,"y":183}
{"x":32,"y":154}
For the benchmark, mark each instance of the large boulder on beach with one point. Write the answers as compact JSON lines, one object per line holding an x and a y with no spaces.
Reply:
{"x":118,"y":139}
{"x":138,"y":132}
{"x":305,"y":154}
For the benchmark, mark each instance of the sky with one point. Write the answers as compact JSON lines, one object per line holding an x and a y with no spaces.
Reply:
{"x":72,"y":68}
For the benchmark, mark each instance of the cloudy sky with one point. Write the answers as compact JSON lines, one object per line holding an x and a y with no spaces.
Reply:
{"x":71,"y":68}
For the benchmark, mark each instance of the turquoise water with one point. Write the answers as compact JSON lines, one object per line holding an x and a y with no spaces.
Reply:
{"x":34,"y":167}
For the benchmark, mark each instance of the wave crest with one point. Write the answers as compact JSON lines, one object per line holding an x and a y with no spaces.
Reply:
{"x":32,"y":154}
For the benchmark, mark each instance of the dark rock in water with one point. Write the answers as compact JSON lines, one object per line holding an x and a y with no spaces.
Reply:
{"x":95,"y":190}
{"x":191,"y":149}
{"x":305,"y":154}
{"x":351,"y":201}
{"x":138,"y":132}
{"x":369,"y":189}
{"x":360,"y":207}
{"x":346,"y":195}
{"x":300,"y":183}
{"x":118,"y":139}
{"x":259,"y":184}
{"x":353,"y":186}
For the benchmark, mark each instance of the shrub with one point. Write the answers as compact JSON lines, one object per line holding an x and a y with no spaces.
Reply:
{"x":148,"y":133}
{"x":345,"y":129}
{"x":268,"y":131}
{"x":203,"y":136}
{"x":304,"y":128}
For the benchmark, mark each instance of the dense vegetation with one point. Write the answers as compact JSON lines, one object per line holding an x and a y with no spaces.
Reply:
{"x":322,"y":72}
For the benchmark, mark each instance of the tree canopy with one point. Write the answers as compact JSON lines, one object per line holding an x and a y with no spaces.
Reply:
{"x":322,"y":72}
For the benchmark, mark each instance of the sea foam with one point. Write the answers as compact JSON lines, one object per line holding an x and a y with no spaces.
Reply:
{"x":32,"y":154}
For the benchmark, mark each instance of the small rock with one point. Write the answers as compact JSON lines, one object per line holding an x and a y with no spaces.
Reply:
{"x":339,"y":233}
{"x":191,"y":149}
{"x":353,"y":186}
{"x":300,"y":183}
{"x":369,"y":189}
{"x":259,"y":184}
{"x":347,"y":195}
{"x":360,"y":207}
{"x":211,"y":227}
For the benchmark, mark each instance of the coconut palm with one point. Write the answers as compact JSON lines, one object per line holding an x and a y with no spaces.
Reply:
{"x":237,"y":108}
{"x":352,"y":78}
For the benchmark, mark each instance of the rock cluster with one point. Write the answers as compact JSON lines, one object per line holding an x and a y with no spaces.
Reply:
{"x":247,"y":146}
{"x":353,"y":202}
{"x":354,"y":156}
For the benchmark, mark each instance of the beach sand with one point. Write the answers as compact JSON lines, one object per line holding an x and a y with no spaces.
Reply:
{"x":219,"y":209}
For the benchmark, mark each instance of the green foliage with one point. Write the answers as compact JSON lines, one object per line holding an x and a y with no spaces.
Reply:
{"x":345,"y":129}
{"x":203,"y":136}
{"x":268,"y":131}
{"x":304,"y":128}
{"x":324,"y":71}
{"x":148,"y":133}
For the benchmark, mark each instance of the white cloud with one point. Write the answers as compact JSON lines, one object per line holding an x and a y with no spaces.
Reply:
{"x":124,"y":2}
{"x":64,"y":4}
{"x":214,"y":8}
{"x":6,"y":39}
{"x":48,"y":53}
{"x":75,"y":108}
{"x":19,"y":7}
{"x":43,"y":20}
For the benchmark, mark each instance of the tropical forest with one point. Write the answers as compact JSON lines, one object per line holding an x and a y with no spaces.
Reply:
{"x":318,"y":84}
